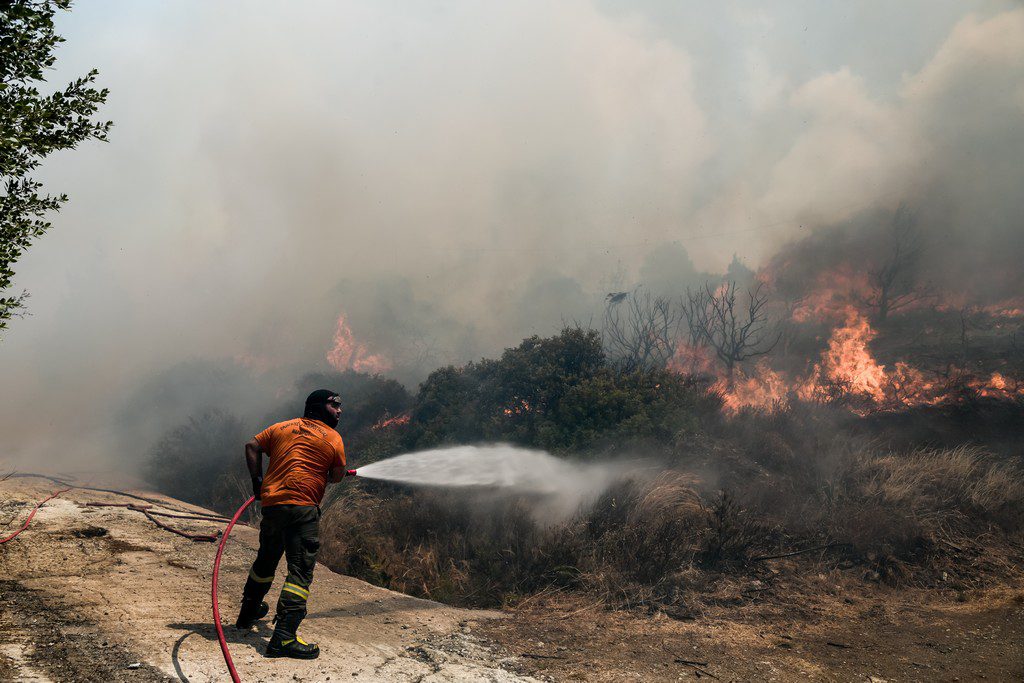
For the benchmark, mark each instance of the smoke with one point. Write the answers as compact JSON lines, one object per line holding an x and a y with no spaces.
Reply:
{"x":944,"y":148}
{"x":453,"y":177}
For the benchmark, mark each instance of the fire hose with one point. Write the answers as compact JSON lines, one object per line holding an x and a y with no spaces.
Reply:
{"x":33,"y":514}
{"x":216,"y":574}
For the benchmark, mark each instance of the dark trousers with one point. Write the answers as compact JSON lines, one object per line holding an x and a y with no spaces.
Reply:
{"x":292,"y":531}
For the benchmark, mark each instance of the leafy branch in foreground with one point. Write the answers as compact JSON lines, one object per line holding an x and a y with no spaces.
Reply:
{"x":32,"y":126}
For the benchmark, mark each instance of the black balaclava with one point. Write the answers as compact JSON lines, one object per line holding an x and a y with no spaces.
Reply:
{"x":316,"y":407}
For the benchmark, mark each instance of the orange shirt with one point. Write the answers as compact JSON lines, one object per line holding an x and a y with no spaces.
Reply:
{"x":301,"y":453}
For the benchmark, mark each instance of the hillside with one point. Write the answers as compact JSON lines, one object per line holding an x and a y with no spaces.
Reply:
{"x":88,"y":592}
{"x":101,"y":594}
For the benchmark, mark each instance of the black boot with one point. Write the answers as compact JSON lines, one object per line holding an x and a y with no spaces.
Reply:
{"x":250,"y":613}
{"x":285,"y":642}
{"x":293,"y":647}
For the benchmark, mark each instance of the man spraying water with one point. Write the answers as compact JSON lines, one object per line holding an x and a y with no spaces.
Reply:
{"x":305,"y":453}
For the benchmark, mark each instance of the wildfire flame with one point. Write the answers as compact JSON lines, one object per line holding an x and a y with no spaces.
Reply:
{"x":348,"y":354}
{"x":523,"y":406}
{"x":387,"y":421}
{"x":1010,"y":309}
{"x":762,"y":388}
{"x":692,"y":360}
{"x":998,"y":386}
{"x":833,"y":297}
{"x":848,"y":363}
{"x":847,"y":369}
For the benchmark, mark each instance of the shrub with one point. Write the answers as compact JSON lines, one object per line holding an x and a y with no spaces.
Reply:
{"x":199,"y":460}
{"x":558,"y":394}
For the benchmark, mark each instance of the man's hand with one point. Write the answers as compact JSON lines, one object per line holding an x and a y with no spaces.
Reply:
{"x":257,"y":484}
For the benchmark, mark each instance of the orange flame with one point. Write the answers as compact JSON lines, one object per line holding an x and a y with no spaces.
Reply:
{"x":348,"y":354}
{"x":834,"y":296}
{"x":396,"y":421}
{"x":523,"y":406}
{"x":847,"y":369}
{"x":998,"y":386}
{"x":848,"y":363}
{"x":762,"y":388}
{"x":1006,"y":309}
{"x":692,"y":360}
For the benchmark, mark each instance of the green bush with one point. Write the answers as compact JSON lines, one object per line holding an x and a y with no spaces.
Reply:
{"x":559,"y":394}
{"x":201,"y":461}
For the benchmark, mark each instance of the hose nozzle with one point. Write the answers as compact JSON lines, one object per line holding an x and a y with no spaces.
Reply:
{"x":350,"y":473}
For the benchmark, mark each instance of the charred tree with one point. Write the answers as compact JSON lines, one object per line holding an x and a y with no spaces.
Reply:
{"x":735,"y":330}
{"x":641,"y":331}
{"x":894,"y":283}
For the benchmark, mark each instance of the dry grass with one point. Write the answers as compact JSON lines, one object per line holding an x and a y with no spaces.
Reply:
{"x":667,"y":544}
{"x":930,"y":482}
{"x":636,"y":546}
{"x":906,"y":504}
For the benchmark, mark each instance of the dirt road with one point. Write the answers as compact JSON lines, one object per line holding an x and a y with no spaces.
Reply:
{"x":101,"y":594}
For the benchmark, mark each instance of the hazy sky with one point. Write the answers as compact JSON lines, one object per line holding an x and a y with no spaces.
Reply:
{"x":458,"y":173}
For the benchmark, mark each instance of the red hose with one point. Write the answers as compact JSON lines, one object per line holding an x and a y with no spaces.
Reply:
{"x":33,"y":514}
{"x":216,"y":607}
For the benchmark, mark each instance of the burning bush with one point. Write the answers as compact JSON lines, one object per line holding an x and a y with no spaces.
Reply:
{"x":808,"y":476}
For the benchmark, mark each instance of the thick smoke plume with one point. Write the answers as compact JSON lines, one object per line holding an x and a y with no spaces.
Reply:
{"x":433,"y":183}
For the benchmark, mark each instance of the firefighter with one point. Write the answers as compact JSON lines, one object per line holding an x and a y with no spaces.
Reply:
{"x":305,"y":453}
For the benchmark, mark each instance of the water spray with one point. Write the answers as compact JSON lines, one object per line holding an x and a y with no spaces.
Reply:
{"x":557,"y":487}
{"x":518,"y":470}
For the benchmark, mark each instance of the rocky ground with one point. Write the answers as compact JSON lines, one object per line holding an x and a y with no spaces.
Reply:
{"x":101,"y":594}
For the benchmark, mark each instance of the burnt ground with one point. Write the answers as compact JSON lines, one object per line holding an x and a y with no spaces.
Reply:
{"x":824,"y":628}
{"x":48,"y":639}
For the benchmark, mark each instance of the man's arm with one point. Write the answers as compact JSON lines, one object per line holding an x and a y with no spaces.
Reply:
{"x":254,"y":461}
{"x":336,"y":473}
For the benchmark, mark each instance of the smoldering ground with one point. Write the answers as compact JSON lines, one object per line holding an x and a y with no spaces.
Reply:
{"x":452,"y":178}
